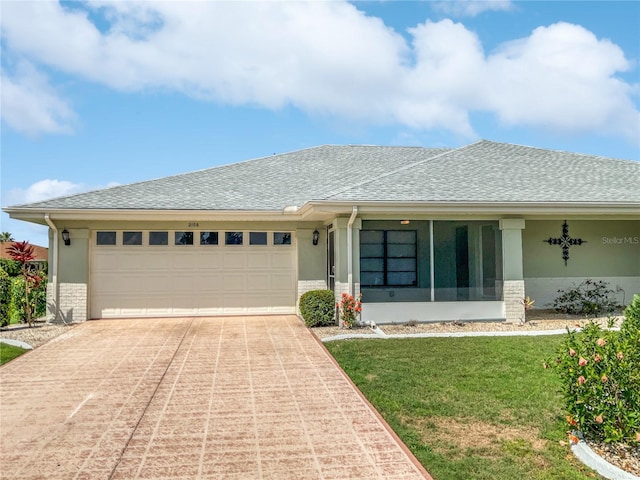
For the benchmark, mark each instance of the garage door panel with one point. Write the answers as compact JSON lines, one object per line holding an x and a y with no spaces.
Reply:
{"x":259,"y":281}
{"x":282,"y":260}
{"x":258,"y":261}
{"x":187,"y":261}
{"x":286,"y":279}
{"x":181,"y":283}
{"x":234,"y":261}
{"x":209,"y":261}
{"x":234,"y":282}
{"x":208,"y":281}
{"x":171,"y":280}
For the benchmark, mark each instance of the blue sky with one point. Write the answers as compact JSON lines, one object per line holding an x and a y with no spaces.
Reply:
{"x":101,"y":93}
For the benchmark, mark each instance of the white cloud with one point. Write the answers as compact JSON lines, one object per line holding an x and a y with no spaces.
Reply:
{"x":30,"y":105}
{"x":471,"y":8}
{"x":563,"y":78}
{"x":329,"y":58}
{"x":40,"y":190}
{"x":47,"y":189}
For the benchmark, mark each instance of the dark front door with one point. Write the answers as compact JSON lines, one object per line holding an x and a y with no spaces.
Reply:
{"x":331,"y":260}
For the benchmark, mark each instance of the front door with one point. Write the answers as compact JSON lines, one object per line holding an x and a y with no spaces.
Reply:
{"x":331,"y":259}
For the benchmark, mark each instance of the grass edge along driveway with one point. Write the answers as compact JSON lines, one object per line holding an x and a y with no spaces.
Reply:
{"x":9,"y":352}
{"x":469,"y":408}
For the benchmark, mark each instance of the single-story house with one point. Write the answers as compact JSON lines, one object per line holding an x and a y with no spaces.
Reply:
{"x":426,"y":234}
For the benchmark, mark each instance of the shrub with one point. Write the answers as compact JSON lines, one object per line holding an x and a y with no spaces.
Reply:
{"x":12,"y":267}
{"x":318,"y":308}
{"x":5,"y":297}
{"x":349,"y":309}
{"x":600,"y":376}
{"x":591,"y":297}
{"x":38,"y":297}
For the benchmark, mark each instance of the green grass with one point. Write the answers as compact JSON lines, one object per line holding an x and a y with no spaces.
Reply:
{"x":468,"y":408}
{"x":9,"y":352}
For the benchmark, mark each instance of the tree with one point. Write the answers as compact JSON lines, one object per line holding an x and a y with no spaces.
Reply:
{"x":6,"y":237}
{"x":22,"y":252}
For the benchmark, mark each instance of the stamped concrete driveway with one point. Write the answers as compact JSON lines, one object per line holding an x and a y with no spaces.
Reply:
{"x":186,"y":398}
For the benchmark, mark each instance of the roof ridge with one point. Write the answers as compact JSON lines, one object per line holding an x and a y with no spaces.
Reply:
{"x":400,"y":169}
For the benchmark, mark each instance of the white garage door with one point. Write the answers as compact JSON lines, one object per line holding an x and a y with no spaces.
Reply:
{"x":171,"y":273}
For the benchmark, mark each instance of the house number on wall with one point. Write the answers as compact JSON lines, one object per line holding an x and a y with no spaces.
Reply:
{"x":565,"y":241}
{"x":193,"y":225}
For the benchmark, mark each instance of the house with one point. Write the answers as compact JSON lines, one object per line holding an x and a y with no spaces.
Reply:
{"x":426,"y":234}
{"x":41,"y":254}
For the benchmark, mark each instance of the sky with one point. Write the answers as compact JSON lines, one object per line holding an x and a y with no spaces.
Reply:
{"x":102,"y":93}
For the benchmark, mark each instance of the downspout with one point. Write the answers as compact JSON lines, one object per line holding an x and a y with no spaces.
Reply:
{"x":352,"y":219}
{"x":54,"y":269}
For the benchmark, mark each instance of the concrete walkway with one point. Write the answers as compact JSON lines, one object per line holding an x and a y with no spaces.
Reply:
{"x":223,"y":398}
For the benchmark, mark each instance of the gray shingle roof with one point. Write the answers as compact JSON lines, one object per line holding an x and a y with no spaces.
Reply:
{"x":498,"y":172}
{"x":269,"y":183}
{"x":482,"y":172}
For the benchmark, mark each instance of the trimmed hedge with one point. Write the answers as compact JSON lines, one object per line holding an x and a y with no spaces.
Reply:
{"x":318,"y":308}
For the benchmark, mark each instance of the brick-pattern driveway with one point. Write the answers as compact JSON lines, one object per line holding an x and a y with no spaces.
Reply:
{"x":187,"y":398}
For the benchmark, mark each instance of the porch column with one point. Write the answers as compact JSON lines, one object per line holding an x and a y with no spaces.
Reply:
{"x":512,"y":274}
{"x":341,"y":256}
{"x":73,"y":279}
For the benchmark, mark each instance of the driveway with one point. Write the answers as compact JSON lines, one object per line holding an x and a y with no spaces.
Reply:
{"x":186,"y":398}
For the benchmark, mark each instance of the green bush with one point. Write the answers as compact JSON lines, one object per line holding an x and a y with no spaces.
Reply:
{"x":318,"y":308}
{"x":12,"y":267}
{"x":17,"y":313}
{"x":600,"y":375}
{"x":5,"y":297}
{"x":590,"y":298}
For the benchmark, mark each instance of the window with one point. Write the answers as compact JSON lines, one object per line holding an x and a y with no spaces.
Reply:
{"x":208,"y":238}
{"x":233,"y":238}
{"x":184,"y":238}
{"x":257,"y":238}
{"x":388,"y":258}
{"x":105,"y":238}
{"x":158,"y":238}
{"x":282,"y":238}
{"x":132,"y":238}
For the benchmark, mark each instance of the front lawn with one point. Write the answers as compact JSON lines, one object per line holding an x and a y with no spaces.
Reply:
{"x":9,"y":352}
{"x":469,"y":408}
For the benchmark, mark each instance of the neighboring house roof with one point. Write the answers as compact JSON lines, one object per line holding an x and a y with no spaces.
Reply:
{"x":485,"y":172}
{"x":41,"y":253}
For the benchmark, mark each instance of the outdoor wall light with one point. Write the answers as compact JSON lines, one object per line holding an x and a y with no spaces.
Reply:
{"x":65,"y":237}
{"x":316,"y":236}
{"x":405,"y":222}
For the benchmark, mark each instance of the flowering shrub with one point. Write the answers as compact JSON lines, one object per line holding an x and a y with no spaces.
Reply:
{"x":600,"y":375}
{"x":349,"y":308}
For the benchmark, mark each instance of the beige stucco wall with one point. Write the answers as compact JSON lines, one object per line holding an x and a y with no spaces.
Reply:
{"x":611,"y":254}
{"x":312,"y":259}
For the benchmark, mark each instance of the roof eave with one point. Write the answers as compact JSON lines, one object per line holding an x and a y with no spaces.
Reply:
{"x":37,"y":215}
{"x":627,"y":210}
